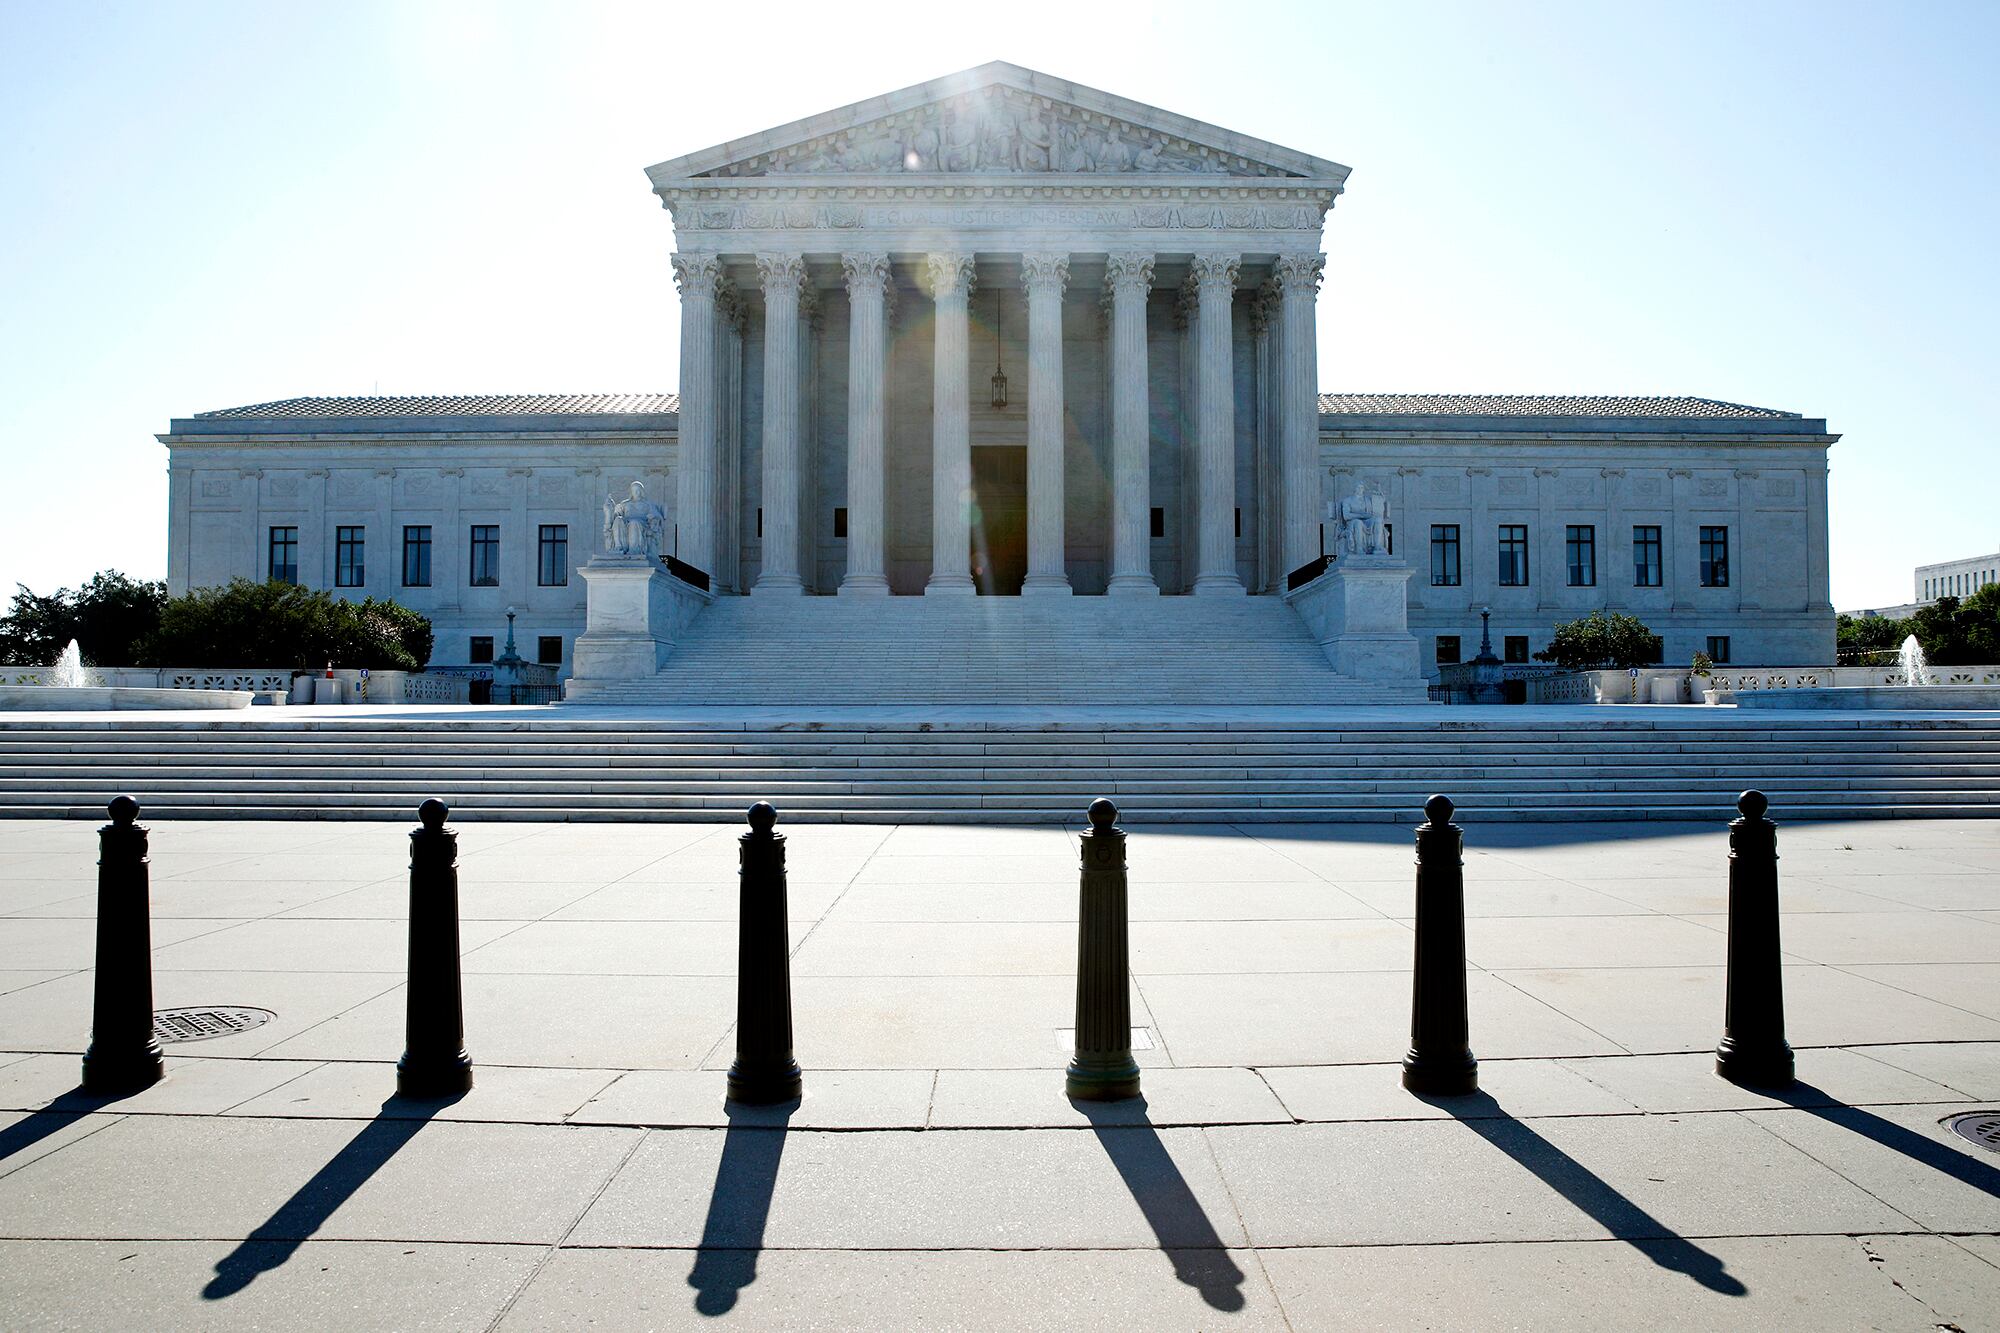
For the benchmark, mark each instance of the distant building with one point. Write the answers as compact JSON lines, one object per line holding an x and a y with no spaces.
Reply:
{"x":1956,"y":578}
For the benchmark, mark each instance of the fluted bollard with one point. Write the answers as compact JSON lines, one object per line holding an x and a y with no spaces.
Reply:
{"x":1440,"y":1062}
{"x":1753,"y":1049}
{"x":434,"y":1062}
{"x":1102,"y":1068}
{"x":764,"y":1072}
{"x":123,"y":1056}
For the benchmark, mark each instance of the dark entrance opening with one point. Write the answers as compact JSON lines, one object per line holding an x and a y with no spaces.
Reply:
{"x":999,"y":519}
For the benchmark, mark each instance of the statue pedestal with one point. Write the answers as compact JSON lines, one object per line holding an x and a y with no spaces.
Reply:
{"x":634,"y":613}
{"x":1359,"y":611}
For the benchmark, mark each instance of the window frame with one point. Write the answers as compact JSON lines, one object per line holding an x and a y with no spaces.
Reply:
{"x":420,"y":546}
{"x":1719,"y":658}
{"x":1656,"y":546}
{"x":350,"y":555}
{"x":290,"y":545}
{"x":1580,"y":573}
{"x":1457,"y":642}
{"x":475,"y":655}
{"x":488,"y":546}
{"x":542,"y":642}
{"x":1714,"y":537}
{"x":1513,"y":556}
{"x":1447,"y":550}
{"x":544,"y":544}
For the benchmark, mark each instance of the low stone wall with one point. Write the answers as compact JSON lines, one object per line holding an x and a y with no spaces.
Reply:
{"x":1724,"y":684}
{"x":107,"y":698}
{"x":1904,"y":697}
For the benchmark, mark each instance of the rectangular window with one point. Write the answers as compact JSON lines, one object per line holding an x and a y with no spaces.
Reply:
{"x":1444,"y":555}
{"x":1718,"y":649}
{"x":760,"y":523}
{"x":1580,"y":552}
{"x":349,"y":557}
{"x":1514,"y":648}
{"x":1239,"y":522}
{"x":1646,"y":556}
{"x":284,"y":566}
{"x":1513,"y":555}
{"x":1715,"y":557}
{"x":1389,"y":538}
{"x":479,"y":648}
{"x":552,"y":556}
{"x":548,"y":650}
{"x":417,"y":556}
{"x":840,"y":524}
{"x":1447,"y":649}
{"x":485,"y":564}
{"x":1159,"y":521}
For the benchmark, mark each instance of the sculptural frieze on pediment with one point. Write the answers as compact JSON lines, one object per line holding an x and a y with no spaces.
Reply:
{"x":998,"y":130}
{"x":1179,"y":216}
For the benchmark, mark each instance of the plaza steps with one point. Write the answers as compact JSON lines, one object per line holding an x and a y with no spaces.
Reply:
{"x":557,"y":764}
{"x":893,"y":651}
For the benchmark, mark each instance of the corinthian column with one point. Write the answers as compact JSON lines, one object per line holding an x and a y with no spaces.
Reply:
{"x":950,"y":278}
{"x":1298,"y":419}
{"x":1045,"y":276}
{"x":695,"y":506}
{"x":1130,"y":277}
{"x":1215,"y":428}
{"x":867,"y":278}
{"x":781,"y":277}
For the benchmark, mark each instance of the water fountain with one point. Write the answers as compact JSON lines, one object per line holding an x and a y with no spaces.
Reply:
{"x":71,"y":686}
{"x":69,"y":672}
{"x":1910,"y":658}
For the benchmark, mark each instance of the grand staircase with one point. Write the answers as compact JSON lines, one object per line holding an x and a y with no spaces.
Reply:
{"x":1347,"y":765}
{"x":1167,"y":652}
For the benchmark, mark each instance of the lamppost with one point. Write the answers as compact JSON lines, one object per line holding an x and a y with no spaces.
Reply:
{"x":1487,"y":669}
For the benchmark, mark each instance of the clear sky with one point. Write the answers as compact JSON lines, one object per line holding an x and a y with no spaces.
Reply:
{"x":203,"y":205}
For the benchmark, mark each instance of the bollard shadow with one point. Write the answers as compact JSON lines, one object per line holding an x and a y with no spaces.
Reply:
{"x":54,"y":1118}
{"x":739,"y":1205}
{"x":1189,"y":1239}
{"x":1939,"y":1156}
{"x":274,"y":1242}
{"x":1589,"y":1192}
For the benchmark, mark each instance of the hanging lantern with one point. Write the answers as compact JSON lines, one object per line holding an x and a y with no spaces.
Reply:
{"x":999,"y":375}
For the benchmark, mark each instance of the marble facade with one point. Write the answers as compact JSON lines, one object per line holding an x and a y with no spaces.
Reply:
{"x":1148,"y":285}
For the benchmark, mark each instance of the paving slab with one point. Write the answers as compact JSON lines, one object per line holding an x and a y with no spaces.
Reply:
{"x":1904,"y":1157}
{"x":1376,"y":1092}
{"x":1561,"y":1178}
{"x":300,"y":1179}
{"x":615,"y":948}
{"x":1502,"y":943}
{"x":651,"y":900}
{"x":834,"y":1099}
{"x":389,"y":900}
{"x":1978,"y":891}
{"x":1542,"y":897}
{"x":28,"y":1136}
{"x":1343,"y":1018}
{"x":1033,"y":1098}
{"x":1969,"y":1068}
{"x":821,"y":1289}
{"x":284,"y":944}
{"x":935,"y":949}
{"x":971,"y":1189}
{"x":355,"y":1091}
{"x":55,"y":1016}
{"x":1668,"y":1083}
{"x":1973,"y":987}
{"x":191,"y":1087}
{"x":1185,"y":947}
{"x":360,"y":1286}
{"x":43,"y":943}
{"x":1725,"y":1283}
{"x":1846,"y":938}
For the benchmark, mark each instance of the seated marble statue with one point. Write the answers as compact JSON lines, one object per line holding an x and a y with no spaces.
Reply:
{"x":634,"y":525}
{"x":1363,"y":523}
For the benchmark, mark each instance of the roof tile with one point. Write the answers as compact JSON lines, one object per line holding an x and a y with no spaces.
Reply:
{"x":1538,"y":405}
{"x":453,"y":405}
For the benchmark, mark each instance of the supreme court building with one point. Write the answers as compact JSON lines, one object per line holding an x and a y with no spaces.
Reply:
{"x":1002,"y":334}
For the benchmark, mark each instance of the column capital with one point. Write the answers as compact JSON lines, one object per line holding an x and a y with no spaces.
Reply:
{"x":1128,"y":271}
{"x":1045,"y":272}
{"x":865,"y":272}
{"x":1214,"y":272}
{"x":781,"y":273}
{"x":1299,"y":274}
{"x":948,"y":275}
{"x":696,"y":273}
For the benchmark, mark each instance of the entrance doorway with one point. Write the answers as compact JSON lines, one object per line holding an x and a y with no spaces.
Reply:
{"x":999,"y":519}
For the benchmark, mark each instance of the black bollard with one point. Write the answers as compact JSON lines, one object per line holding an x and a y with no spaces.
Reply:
{"x":764,"y":1072}
{"x":1102,"y":1068}
{"x":1753,"y":1049}
{"x":434,"y":1062}
{"x":123,"y":1056}
{"x":1440,"y":1062}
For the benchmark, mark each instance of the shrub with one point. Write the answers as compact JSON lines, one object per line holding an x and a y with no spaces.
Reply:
{"x":1602,"y":639}
{"x":111,"y":616}
{"x":1958,"y":632}
{"x":277,"y":624}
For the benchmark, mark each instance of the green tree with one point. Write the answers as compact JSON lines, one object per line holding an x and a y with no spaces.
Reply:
{"x":1957,"y":632}
{"x":111,"y":617}
{"x":1855,"y":635}
{"x":1602,"y":639}
{"x":278,"y":624}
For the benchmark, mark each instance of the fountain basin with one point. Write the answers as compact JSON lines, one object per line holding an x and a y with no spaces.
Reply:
{"x":110,"y":698}
{"x":1910,"y":697}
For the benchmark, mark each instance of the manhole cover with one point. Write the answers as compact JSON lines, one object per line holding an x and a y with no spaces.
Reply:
{"x":210,"y":1021}
{"x":1980,"y":1127}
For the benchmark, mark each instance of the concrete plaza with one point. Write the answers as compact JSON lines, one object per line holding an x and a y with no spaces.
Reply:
{"x":1275,"y":1176}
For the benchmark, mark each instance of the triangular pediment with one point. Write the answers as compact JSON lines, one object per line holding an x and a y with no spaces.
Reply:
{"x":998,"y":120}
